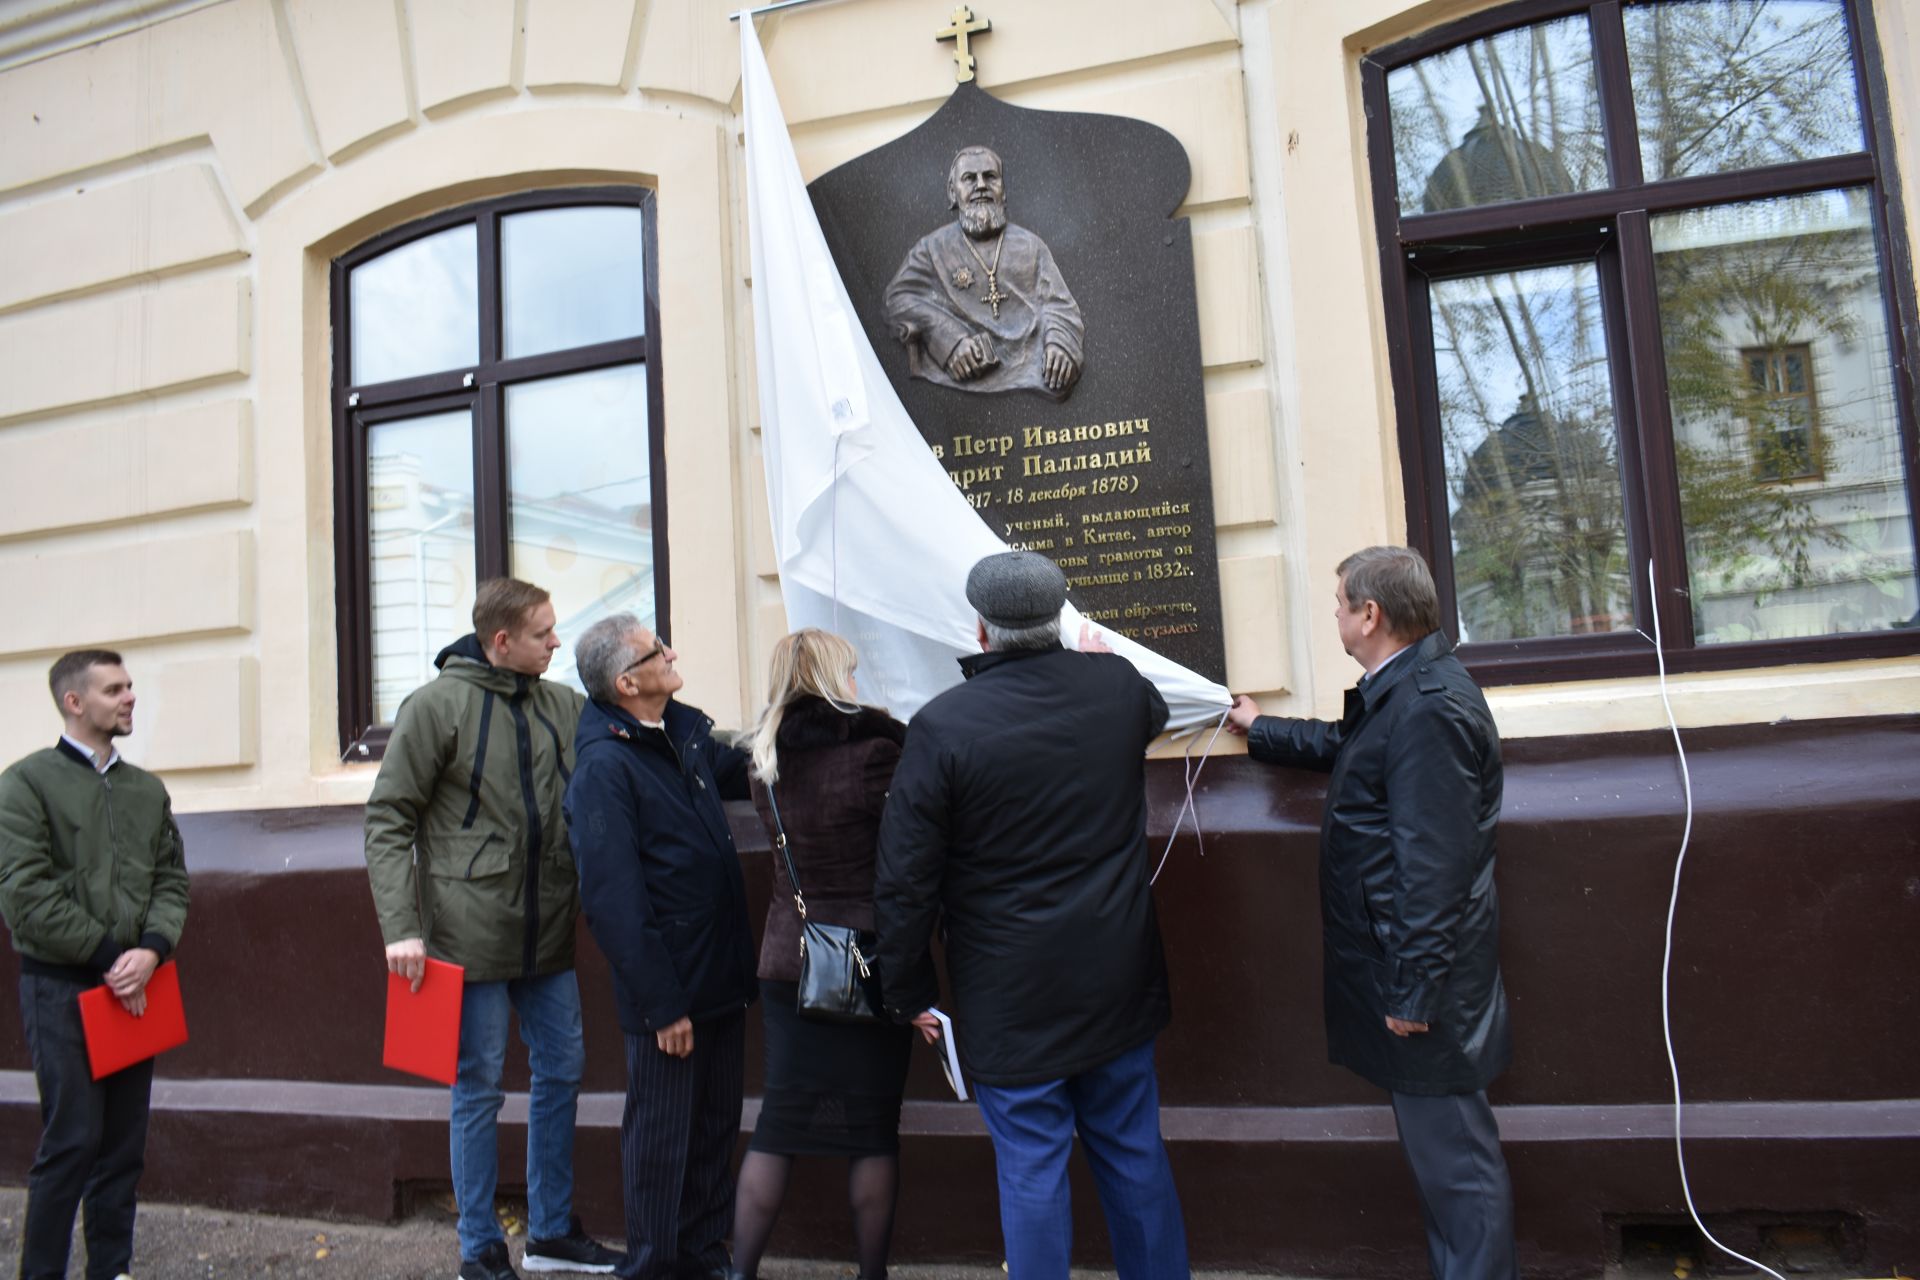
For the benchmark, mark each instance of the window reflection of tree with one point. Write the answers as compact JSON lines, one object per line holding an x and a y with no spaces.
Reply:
{"x":1723,"y":86}
{"x":1534,"y":108}
{"x":1538,"y":526}
{"x":1735,"y":221}
{"x":1767,"y":510}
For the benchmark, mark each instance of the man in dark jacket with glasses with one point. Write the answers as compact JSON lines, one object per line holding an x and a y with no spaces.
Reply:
{"x":661,"y":885}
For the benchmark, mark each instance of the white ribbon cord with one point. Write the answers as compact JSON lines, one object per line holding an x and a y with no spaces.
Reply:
{"x":1666,"y":960}
{"x":1193,"y":780}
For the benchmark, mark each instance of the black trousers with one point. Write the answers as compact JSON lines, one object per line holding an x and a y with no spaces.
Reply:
{"x":1466,"y":1197}
{"x":677,"y":1136}
{"x":93,"y":1140}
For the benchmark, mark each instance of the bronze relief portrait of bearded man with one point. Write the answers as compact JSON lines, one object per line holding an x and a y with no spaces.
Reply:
{"x":980,"y":304}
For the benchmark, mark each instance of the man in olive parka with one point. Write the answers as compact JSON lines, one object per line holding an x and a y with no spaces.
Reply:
{"x":467,"y":850}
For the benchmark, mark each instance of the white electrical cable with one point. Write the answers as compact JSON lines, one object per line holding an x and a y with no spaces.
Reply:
{"x":1666,"y":960}
{"x":1193,"y":779}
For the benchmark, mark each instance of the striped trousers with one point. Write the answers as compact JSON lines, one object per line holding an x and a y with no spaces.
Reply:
{"x":677,"y":1136}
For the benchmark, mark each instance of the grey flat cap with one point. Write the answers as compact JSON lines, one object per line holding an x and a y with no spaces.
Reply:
{"x":1017,"y":589}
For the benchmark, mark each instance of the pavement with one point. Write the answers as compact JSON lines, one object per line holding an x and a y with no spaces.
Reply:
{"x":186,"y":1242}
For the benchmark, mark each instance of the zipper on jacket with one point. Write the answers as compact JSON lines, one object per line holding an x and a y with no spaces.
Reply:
{"x":479,"y":760}
{"x":559,"y":748}
{"x":677,"y":757}
{"x":523,"y":735}
{"x":113,"y":857}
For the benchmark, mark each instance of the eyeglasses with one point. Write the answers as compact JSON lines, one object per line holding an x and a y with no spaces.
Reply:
{"x":659,"y":648}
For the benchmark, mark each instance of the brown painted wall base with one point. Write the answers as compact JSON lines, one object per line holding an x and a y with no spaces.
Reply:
{"x":1795,"y":950}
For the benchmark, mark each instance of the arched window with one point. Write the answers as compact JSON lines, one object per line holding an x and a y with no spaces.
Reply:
{"x":1644,"y":291}
{"x":496,"y":400}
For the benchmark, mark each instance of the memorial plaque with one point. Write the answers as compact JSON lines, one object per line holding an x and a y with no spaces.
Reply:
{"x":1031,"y":298}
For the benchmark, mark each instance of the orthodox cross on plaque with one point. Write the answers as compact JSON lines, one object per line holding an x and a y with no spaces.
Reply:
{"x":993,"y":297}
{"x":964,"y":25}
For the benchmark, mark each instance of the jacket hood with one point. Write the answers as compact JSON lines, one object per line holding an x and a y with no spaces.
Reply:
{"x":464,"y":659}
{"x":467,"y":646}
{"x":811,"y":723}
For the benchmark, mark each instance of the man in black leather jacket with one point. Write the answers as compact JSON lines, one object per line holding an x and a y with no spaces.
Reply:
{"x":1412,"y":970}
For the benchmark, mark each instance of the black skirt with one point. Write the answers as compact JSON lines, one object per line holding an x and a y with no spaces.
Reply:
{"x":832,"y":1088}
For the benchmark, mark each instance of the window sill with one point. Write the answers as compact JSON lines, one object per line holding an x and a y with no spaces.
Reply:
{"x":1767,"y":695}
{"x":1630,"y":654}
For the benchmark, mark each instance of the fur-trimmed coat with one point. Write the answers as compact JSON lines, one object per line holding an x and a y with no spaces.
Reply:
{"x":834,"y":768}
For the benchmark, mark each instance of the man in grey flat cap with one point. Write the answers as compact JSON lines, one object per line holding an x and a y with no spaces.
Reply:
{"x":1019,"y":810}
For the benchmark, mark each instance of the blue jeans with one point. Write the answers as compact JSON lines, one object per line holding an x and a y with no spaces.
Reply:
{"x":549,"y":1009}
{"x":1116,"y":1109}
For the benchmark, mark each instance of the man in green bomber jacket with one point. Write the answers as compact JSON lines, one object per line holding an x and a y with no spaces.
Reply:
{"x":93,"y":886}
{"x":467,"y":850}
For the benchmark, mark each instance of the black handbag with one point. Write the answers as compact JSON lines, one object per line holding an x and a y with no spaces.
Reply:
{"x":837,"y":983}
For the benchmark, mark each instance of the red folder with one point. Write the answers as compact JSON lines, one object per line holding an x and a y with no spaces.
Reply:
{"x":423,"y":1027}
{"x":116,"y":1039}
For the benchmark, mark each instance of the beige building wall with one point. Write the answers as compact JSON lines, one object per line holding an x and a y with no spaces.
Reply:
{"x":171,"y":195}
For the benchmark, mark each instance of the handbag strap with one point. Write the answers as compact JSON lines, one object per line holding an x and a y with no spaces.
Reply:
{"x":780,"y":839}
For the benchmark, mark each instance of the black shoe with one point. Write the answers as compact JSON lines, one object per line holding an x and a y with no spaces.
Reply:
{"x":575,"y":1251}
{"x":492,"y":1264}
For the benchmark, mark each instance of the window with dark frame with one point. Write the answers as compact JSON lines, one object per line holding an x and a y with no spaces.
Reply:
{"x":1619,"y":240}
{"x":1783,"y":427}
{"x":496,"y":410}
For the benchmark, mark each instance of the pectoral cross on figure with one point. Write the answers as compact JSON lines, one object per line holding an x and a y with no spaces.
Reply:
{"x":964,"y":25}
{"x":993,"y":297}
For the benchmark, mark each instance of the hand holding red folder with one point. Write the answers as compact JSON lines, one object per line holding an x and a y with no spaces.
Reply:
{"x":423,"y":1027}
{"x":117,"y":1039}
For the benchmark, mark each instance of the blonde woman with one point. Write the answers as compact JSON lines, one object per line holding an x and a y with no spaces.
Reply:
{"x":831,"y":1089}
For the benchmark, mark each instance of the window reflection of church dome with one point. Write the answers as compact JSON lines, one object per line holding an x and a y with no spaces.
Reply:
{"x":1494,"y":163}
{"x":1520,"y":451}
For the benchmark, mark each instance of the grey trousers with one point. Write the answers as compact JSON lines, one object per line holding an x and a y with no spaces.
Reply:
{"x":1454,"y":1147}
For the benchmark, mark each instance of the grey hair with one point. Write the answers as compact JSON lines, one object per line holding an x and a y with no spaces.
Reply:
{"x":603,"y":652}
{"x":1044,"y":636}
{"x":953,"y":195}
